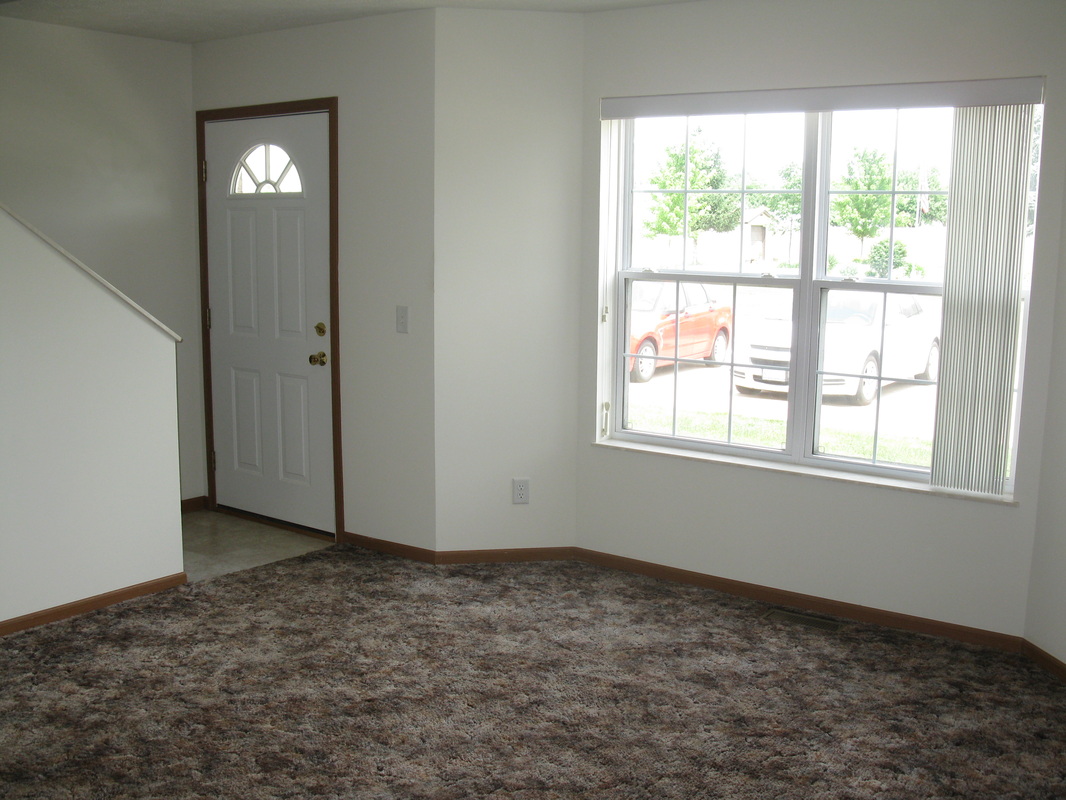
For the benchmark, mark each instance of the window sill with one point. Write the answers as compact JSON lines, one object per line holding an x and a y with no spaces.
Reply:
{"x":880,"y":481}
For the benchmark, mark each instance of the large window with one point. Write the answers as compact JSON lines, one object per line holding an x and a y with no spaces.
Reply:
{"x":841,"y":284}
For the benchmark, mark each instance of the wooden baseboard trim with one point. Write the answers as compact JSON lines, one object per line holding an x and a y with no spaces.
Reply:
{"x":766,"y":594}
{"x":277,"y":523}
{"x":193,"y":504}
{"x":508,"y":555}
{"x":90,"y":604}
{"x":390,"y":548}
{"x":1045,"y":660}
{"x":806,"y":602}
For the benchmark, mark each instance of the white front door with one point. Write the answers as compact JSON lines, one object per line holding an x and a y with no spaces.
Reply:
{"x":269,"y":292}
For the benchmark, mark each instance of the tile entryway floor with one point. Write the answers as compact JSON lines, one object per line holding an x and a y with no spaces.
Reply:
{"x":216,"y":544}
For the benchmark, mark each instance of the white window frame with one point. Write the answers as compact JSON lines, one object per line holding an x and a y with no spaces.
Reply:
{"x":261,"y":181}
{"x":808,"y":288}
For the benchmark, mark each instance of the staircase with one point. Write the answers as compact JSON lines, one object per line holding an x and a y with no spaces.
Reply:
{"x":89,"y":488}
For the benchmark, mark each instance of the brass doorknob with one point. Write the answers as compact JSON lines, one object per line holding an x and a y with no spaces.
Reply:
{"x":317,"y":360}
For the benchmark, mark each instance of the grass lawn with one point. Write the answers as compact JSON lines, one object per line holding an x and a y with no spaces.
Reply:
{"x":714,"y":427}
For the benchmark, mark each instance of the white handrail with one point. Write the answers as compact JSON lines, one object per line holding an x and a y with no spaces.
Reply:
{"x":95,"y":276}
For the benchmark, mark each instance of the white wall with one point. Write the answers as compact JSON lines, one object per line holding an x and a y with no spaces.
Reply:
{"x":97,"y":151}
{"x":963,"y":562}
{"x":88,"y":435}
{"x":381,"y":70}
{"x":444,"y":141}
{"x":431,"y":104}
{"x":1046,"y":621}
{"x":507,"y":225}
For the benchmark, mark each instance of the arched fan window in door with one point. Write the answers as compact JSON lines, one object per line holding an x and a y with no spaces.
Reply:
{"x":266,"y":169}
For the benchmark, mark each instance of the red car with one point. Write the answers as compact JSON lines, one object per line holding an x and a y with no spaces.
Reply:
{"x":702,"y":329}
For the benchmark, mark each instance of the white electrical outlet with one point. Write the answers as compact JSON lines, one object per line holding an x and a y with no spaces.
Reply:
{"x":519,"y":490}
{"x":401,"y":319}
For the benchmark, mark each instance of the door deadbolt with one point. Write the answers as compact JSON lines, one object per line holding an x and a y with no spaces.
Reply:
{"x":317,"y":360}
{"x":320,"y":329}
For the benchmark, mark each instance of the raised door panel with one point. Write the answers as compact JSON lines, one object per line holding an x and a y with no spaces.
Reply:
{"x":242,"y":271}
{"x":290,"y":299}
{"x":247,"y":421}
{"x":293,"y":429}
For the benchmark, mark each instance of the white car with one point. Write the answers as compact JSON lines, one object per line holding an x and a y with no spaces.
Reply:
{"x":855,"y":352}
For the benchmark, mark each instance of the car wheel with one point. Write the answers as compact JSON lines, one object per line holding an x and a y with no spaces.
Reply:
{"x":720,"y":348}
{"x":866,"y":391}
{"x":644,"y":362}
{"x":747,"y":390}
{"x":932,"y":363}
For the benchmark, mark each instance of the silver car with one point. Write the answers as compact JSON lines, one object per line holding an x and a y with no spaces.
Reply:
{"x":857,"y":349}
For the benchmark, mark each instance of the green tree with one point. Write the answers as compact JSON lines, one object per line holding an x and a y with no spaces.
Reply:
{"x":787,"y":207}
{"x":668,"y":210}
{"x":917,"y":209}
{"x":881,"y":264}
{"x":864,"y":214}
{"x":784,"y":208}
{"x":706,"y":173}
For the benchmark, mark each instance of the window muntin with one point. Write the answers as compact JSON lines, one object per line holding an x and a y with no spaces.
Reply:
{"x":879,"y":365}
{"x":898,"y":259}
{"x":677,"y":328}
{"x":701,"y":183}
{"x":266,"y":169}
{"x":888,"y":190}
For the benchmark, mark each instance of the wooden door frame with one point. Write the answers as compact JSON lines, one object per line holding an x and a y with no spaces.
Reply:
{"x":318,"y":105}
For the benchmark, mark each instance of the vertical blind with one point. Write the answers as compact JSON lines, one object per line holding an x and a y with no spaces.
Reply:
{"x":990,"y":175}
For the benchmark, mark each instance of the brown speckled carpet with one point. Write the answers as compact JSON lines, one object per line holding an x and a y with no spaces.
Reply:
{"x":347,"y":674}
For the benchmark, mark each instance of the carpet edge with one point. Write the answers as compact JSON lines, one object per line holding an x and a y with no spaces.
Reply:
{"x":76,"y":607}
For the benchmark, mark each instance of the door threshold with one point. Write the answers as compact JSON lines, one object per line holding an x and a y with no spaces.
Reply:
{"x":276,"y":523}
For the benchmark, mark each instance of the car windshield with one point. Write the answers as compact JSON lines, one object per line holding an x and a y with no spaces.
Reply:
{"x":853,"y":307}
{"x":775,"y":305}
{"x":649,"y":295}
